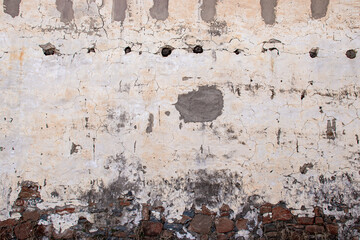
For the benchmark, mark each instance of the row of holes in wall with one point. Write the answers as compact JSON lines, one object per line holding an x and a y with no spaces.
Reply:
{"x":166,"y":51}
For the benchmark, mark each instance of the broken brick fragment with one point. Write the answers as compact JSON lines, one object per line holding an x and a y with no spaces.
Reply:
{"x":280,"y":213}
{"x":224,"y":225}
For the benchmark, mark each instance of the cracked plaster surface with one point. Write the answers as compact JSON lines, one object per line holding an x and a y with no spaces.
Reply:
{"x":102,"y":101}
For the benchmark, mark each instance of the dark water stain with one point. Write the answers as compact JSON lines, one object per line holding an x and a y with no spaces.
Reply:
{"x":119,"y":10}
{"x":208,"y":10}
{"x":150,"y":126}
{"x":203,"y":105}
{"x":160,"y":10}
{"x":304,"y":168}
{"x":75,"y":148}
{"x":268,"y":11}
{"x":331,"y":129}
{"x":218,"y":28}
{"x":65,"y":7}
{"x":319,"y":8}
{"x":12,"y":7}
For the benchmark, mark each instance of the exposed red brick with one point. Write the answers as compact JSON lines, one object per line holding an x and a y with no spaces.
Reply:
{"x":31,"y":215}
{"x":332,"y":229}
{"x":224,"y":225}
{"x":44,"y":230}
{"x":119,"y":234}
{"x":224,"y":214}
{"x":8,"y":223}
{"x":145,"y":212}
{"x":184,"y":219}
{"x":124,"y":202}
{"x":152,"y":228}
{"x":222,"y":237}
{"x":281,"y":214}
{"x":266,"y":208}
{"x":319,"y":220}
{"x":65,"y":210}
{"x":159,"y":209}
{"x":204,"y":237}
{"x":305,"y":220}
{"x":206,"y":211}
{"x":314,"y":229}
{"x":241,"y":224}
{"x":266,"y":219}
{"x":29,"y":190}
{"x":19,"y":202}
{"x":201,"y":224}
{"x":225,"y":208}
{"x":318,"y":211}
{"x":167,"y":234}
{"x":24,"y":230}
{"x":67,"y":234}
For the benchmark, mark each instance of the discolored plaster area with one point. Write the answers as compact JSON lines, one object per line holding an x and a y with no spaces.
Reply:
{"x":121,"y":125}
{"x":65,"y":7}
{"x":160,"y":10}
{"x":208,"y":10}
{"x":319,"y":8}
{"x":203,"y":105}
{"x":12,"y":7}
{"x":268,"y":11}
{"x":119,"y":10}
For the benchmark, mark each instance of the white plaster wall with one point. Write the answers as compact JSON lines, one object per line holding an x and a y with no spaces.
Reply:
{"x":45,"y":101}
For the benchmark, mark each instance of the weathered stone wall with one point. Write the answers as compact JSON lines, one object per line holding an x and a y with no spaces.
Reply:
{"x":179,"y":119}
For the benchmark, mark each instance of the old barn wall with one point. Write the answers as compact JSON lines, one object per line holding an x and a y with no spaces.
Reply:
{"x":124,"y":118}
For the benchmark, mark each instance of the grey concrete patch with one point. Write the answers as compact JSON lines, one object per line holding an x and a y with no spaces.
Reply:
{"x":208,"y":10}
{"x":65,"y":7}
{"x":268,"y":11}
{"x":12,"y":7}
{"x":319,"y":8}
{"x":160,"y":10}
{"x":203,"y":105}
{"x":119,"y":10}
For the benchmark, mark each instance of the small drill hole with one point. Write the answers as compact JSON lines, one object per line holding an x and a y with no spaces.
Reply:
{"x":198,"y":49}
{"x":127,"y":50}
{"x":90,"y":50}
{"x":351,"y":53}
{"x":166,"y":51}
{"x":237,"y":51}
{"x":314,"y":52}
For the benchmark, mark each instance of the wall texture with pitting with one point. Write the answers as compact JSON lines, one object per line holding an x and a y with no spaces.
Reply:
{"x":164,"y":119}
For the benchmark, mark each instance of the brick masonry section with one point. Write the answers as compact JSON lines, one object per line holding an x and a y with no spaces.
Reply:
{"x":266,"y":221}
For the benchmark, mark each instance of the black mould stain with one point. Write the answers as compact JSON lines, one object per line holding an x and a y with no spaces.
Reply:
{"x":314,"y":52}
{"x":203,"y":105}
{"x":150,"y":126}
{"x":306,"y":167}
{"x":120,"y":193}
{"x":319,"y":8}
{"x":268,"y":12}
{"x":160,"y":10}
{"x":12,"y":7}
{"x":351,"y":53}
{"x":65,"y":7}
{"x":75,"y":148}
{"x":208,"y":10}
{"x":119,"y":10}
{"x":331,"y":129}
